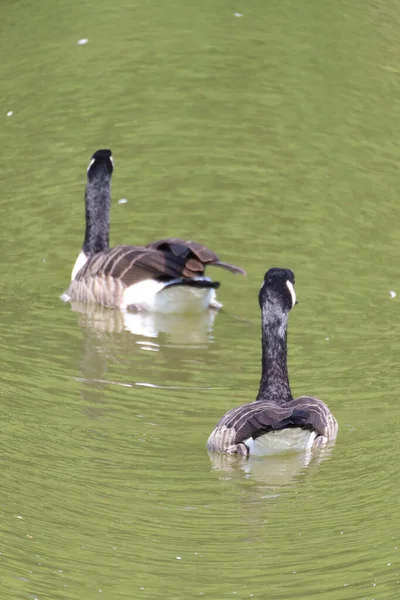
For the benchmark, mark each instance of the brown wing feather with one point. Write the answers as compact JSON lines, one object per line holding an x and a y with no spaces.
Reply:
{"x":270,"y":418}
{"x":320,"y":418}
{"x":132,"y":264}
{"x":193,"y":250}
{"x":259,"y":417}
{"x":167,"y":259}
{"x":251,"y":420}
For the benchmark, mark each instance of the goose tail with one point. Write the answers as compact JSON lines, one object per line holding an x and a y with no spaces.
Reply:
{"x":229,"y":267}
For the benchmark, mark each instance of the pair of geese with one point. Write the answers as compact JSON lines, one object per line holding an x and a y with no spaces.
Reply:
{"x":168,"y":276}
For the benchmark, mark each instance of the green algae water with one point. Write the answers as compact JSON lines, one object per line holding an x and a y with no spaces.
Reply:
{"x":270,"y":132}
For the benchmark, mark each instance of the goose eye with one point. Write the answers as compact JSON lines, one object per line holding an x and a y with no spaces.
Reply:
{"x":292,"y":292}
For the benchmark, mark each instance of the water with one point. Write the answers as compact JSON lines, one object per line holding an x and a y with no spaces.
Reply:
{"x":273,"y":138}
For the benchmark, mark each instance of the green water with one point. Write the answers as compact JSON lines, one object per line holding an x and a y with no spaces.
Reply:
{"x":273,"y":138}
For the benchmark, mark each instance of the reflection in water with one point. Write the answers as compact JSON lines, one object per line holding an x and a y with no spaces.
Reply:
{"x":181,"y":329}
{"x":276,"y":470}
{"x":113,"y":337}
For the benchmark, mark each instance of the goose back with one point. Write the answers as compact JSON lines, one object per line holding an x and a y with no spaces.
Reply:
{"x":255,"y":419}
{"x":109,"y":277}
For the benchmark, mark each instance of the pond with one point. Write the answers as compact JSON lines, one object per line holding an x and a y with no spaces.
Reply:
{"x":269,"y":132}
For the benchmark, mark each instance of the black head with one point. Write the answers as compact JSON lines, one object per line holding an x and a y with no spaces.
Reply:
{"x":278,"y":289}
{"x":102,"y":159}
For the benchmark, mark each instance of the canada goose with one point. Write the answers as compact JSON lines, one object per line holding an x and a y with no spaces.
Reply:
{"x":164,"y":276}
{"x":274,"y":422}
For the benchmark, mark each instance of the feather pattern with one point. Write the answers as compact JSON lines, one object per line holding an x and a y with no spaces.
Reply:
{"x":261,"y":417}
{"x":275,"y":409}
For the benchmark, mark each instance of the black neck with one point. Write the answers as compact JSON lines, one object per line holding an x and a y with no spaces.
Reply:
{"x":274,"y":384}
{"x":97,"y":208}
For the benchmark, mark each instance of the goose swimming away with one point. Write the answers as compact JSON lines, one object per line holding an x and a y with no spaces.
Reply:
{"x":275,"y":422}
{"x":164,"y":276}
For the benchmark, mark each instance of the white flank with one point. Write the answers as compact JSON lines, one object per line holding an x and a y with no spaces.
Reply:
{"x":292,"y":292}
{"x":292,"y":439}
{"x":150,"y":295}
{"x":80,"y":261}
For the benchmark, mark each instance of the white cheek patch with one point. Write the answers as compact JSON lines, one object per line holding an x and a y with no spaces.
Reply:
{"x":292,"y":292}
{"x":90,"y":164}
{"x":112,"y":161}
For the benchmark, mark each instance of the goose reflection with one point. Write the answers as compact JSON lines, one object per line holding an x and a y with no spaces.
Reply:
{"x":278,"y":470}
{"x":112,"y":337}
{"x":194,"y":330}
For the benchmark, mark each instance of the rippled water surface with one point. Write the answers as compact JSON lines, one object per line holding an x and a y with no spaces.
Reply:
{"x":272,"y":137}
